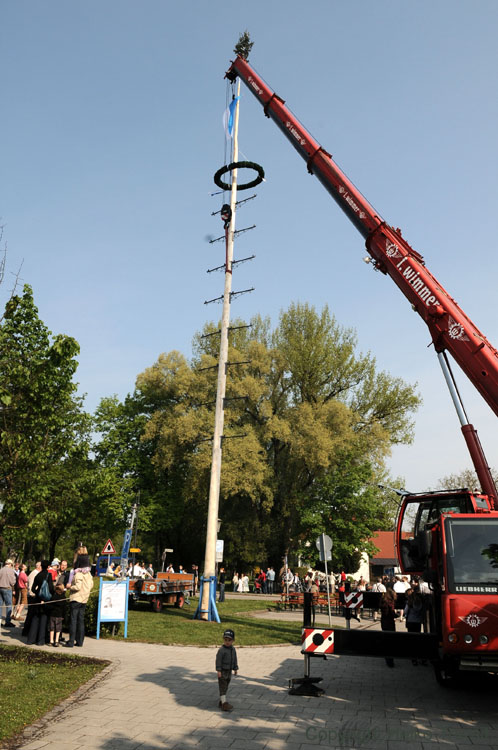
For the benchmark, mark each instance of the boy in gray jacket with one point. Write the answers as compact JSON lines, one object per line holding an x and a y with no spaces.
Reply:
{"x":226,"y":662}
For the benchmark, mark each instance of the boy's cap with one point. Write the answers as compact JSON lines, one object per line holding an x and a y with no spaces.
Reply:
{"x":229,"y":634}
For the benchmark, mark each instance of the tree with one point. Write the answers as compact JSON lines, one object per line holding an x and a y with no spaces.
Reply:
{"x":308,"y":426}
{"x":244,"y":45}
{"x":347,"y":503}
{"x":125,"y":473}
{"x":466,"y":478}
{"x":43,"y":428}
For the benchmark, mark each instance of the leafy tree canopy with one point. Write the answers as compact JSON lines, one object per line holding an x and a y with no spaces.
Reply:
{"x":308,"y":425}
{"x":43,"y":429}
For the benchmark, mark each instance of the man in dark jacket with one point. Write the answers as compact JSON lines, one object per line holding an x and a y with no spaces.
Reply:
{"x":38,"y":627}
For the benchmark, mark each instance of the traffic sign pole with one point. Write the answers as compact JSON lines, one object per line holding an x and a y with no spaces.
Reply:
{"x":324,"y":545}
{"x":328,"y":593}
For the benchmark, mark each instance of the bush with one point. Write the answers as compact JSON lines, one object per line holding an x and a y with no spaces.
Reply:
{"x":91,"y":615}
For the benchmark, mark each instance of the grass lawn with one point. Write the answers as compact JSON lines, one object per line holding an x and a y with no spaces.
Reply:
{"x":32,"y":682}
{"x":175,"y":626}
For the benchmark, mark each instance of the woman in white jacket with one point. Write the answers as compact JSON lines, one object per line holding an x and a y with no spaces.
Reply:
{"x":80,"y":586}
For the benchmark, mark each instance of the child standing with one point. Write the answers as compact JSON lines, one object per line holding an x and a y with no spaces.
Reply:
{"x":226,"y":662}
{"x":57,"y":606}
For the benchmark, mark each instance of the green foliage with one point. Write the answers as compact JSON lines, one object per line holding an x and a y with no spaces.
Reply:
{"x":346,"y":504}
{"x":243,"y":46}
{"x":314,"y":422}
{"x":43,"y":430}
{"x":466,"y":478}
{"x":308,"y":425}
{"x":91,"y":616}
{"x":126,"y":469}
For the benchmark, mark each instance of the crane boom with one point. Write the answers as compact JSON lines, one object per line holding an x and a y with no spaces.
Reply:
{"x":450,"y":328}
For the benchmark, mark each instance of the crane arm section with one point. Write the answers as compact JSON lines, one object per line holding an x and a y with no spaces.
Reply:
{"x":449,"y":326}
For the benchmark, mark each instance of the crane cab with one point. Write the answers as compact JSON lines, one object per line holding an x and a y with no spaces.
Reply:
{"x":416,"y":519}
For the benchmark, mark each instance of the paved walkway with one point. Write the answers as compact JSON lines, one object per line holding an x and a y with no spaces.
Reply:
{"x":166,"y":697}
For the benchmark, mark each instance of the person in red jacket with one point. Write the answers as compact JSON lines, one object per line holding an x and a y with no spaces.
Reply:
{"x":22,"y":597}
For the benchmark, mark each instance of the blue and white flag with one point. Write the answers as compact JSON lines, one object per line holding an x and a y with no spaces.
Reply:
{"x":229,"y":117}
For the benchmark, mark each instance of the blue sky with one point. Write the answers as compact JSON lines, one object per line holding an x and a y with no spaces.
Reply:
{"x":112,"y":131}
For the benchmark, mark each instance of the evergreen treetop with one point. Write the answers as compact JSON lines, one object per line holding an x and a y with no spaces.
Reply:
{"x":243,"y":46}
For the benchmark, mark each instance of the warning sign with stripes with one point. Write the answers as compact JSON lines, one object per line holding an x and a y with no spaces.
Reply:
{"x":353,"y":600}
{"x":317,"y":641}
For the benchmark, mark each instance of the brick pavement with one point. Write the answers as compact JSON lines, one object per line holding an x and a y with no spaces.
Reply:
{"x":166,"y":697}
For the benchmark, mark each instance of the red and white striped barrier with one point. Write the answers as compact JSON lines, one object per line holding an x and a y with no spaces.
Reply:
{"x":353,"y":600}
{"x":317,"y":641}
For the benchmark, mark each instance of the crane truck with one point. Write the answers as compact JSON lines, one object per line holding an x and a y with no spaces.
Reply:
{"x":449,"y":537}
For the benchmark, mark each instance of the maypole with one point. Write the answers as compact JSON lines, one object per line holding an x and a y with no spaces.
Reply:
{"x":207,"y":603}
{"x":207,"y":593}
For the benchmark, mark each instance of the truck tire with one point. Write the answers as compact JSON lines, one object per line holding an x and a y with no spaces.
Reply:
{"x":157,"y":604}
{"x":447,"y":673}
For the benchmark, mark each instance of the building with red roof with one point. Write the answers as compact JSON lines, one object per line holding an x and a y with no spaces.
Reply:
{"x":384,"y":562}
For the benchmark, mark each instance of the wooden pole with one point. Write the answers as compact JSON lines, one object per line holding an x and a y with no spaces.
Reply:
{"x":214,"y":486}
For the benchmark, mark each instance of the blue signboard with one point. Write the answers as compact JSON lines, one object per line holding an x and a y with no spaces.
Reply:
{"x":113,"y":603}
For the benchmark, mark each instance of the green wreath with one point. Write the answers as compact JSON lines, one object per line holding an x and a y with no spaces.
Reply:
{"x":239,"y":165}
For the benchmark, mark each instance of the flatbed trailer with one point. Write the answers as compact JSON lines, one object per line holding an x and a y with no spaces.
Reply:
{"x":165,"y":588}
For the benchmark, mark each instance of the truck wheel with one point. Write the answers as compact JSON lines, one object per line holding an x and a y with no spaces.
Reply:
{"x":447,"y":673}
{"x":157,"y":604}
{"x":180,"y":600}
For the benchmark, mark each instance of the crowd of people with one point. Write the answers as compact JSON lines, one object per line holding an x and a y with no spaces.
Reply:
{"x":414,"y":613}
{"x":44,"y":594}
{"x":268,"y":582}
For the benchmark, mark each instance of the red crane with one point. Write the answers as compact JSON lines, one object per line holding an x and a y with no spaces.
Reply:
{"x":451,"y":329}
{"x":449,"y":537}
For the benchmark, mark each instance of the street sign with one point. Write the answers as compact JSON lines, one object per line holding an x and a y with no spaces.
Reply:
{"x":134,"y":550}
{"x":219,"y":550}
{"x":109,"y":548}
{"x":324,"y":546}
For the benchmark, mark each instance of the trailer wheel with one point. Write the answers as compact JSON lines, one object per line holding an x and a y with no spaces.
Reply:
{"x":157,"y":604}
{"x":180,"y":600}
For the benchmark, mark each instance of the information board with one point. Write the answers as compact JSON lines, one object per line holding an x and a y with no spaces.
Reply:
{"x":113,"y":603}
